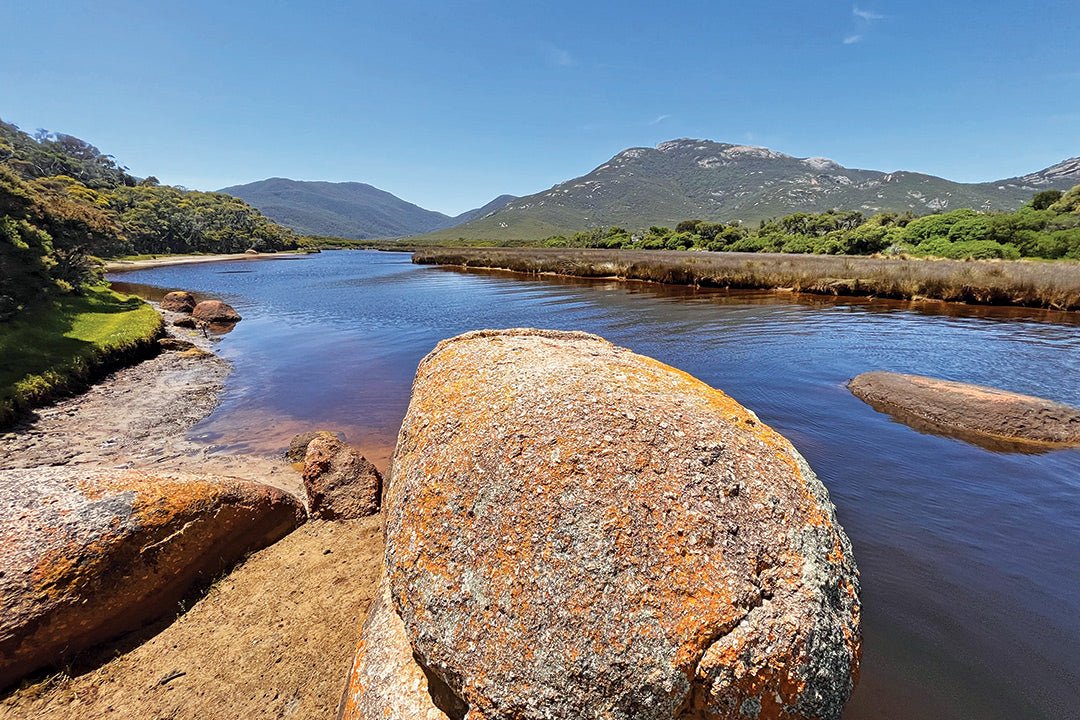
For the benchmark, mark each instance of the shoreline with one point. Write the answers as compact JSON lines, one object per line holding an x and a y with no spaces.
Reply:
{"x":284,"y":618}
{"x":115,"y":266}
{"x":998,"y":283}
{"x":162,"y":397}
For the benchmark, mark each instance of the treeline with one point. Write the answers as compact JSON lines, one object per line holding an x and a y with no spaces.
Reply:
{"x":64,"y":203}
{"x":1047,"y":227}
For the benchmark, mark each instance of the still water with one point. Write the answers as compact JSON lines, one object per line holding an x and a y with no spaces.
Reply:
{"x":970,"y":559}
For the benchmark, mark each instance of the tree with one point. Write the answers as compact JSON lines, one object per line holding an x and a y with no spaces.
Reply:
{"x":1046,"y":198}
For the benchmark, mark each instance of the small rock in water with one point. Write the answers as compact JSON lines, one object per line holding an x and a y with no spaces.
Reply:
{"x":215,"y":311}
{"x":178,"y":301}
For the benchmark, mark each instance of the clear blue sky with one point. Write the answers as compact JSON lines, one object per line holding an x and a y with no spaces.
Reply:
{"x":448,"y":104}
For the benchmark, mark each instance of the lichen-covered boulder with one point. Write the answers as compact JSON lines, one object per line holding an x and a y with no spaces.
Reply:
{"x":215,"y":311}
{"x":299,"y":444}
{"x":983,"y":415}
{"x":340,"y":483}
{"x":385,"y":683}
{"x":577,"y":531}
{"x":178,"y":301}
{"x":91,"y":554}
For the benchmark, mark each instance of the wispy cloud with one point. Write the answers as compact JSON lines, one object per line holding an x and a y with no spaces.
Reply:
{"x":867,"y":15}
{"x":560,"y":57}
{"x":659,"y":119}
{"x":863,"y":20}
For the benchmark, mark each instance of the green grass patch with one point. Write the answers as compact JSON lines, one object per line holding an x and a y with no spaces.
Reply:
{"x":60,"y":345}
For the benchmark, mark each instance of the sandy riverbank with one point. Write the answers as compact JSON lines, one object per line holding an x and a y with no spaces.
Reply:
{"x":113,"y":266}
{"x":274,"y":638}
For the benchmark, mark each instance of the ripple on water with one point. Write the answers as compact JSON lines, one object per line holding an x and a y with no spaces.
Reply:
{"x":968,"y":557}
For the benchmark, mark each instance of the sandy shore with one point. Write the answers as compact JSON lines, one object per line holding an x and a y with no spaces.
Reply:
{"x":124,"y":265}
{"x":139,"y":417}
{"x":274,"y":638}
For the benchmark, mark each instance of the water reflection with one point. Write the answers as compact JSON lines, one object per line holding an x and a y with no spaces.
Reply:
{"x":968,"y":557}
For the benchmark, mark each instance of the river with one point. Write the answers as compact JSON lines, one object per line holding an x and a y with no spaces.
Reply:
{"x":970,"y":559}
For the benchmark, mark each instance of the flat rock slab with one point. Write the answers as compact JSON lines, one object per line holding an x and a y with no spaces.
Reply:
{"x":993,"y":418}
{"x":577,"y":531}
{"x":91,"y":554}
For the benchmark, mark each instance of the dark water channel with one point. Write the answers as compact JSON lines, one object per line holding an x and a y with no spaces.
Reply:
{"x":970,"y":559}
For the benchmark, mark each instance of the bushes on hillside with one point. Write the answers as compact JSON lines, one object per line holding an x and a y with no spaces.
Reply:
{"x":64,"y":203}
{"x":1048,"y":227}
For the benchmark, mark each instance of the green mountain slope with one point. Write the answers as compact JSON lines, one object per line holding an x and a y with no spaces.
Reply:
{"x":348,"y":210}
{"x":702,"y":179}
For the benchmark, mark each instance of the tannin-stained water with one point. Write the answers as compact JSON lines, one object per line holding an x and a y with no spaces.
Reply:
{"x":970,"y":559}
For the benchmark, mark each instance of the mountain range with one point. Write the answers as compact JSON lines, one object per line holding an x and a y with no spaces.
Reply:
{"x":351,"y":210}
{"x":639,"y":187}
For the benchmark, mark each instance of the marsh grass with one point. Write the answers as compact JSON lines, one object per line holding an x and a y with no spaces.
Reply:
{"x":60,"y":345}
{"x":1042,"y":284}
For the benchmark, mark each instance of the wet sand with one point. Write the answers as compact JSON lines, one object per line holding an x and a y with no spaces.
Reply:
{"x":113,"y":266}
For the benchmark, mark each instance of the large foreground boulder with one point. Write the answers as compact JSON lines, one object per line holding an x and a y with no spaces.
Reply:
{"x":91,"y":554}
{"x":341,"y":484}
{"x":385,"y":681}
{"x":987,"y":416}
{"x":576,"y":531}
{"x":179,"y":301}
{"x":215,"y":311}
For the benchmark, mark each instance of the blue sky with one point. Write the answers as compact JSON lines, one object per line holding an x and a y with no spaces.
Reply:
{"x":448,"y":104}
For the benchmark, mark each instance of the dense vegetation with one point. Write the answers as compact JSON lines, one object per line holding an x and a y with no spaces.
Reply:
{"x":1046,"y":227}
{"x":64,"y":203}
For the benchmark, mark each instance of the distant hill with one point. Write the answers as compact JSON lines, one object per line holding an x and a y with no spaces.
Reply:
{"x":701,"y":179}
{"x":348,"y":210}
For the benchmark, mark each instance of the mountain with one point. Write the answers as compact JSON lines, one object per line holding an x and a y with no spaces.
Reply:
{"x":347,"y":210}
{"x":683,"y":179}
{"x":469,"y":215}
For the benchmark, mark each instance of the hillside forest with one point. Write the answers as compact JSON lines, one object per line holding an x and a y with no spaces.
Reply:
{"x":1046,"y":227}
{"x":64,"y":203}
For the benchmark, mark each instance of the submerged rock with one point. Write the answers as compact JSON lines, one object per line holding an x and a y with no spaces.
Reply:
{"x":178,"y":301}
{"x":993,"y":418}
{"x":91,"y":554}
{"x":341,"y":484}
{"x":577,"y":531}
{"x":187,"y":322}
{"x":215,"y":311}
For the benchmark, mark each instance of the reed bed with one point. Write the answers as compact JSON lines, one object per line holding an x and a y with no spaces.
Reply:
{"x":1041,"y":284}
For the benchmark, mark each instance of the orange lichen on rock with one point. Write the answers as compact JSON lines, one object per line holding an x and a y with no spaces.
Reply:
{"x":574,"y":530}
{"x":385,"y":683}
{"x":90,"y":554}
